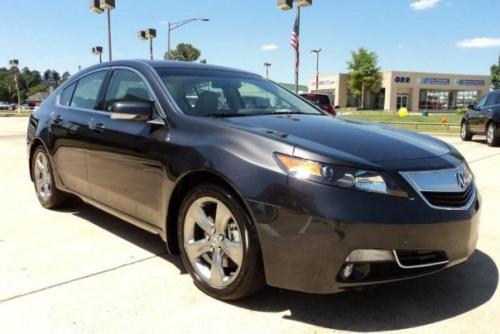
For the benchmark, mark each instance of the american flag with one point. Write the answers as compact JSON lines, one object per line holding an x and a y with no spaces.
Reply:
{"x":294,"y":42}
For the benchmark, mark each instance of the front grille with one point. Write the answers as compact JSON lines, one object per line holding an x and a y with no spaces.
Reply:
{"x":419,"y":258}
{"x":449,"y":199}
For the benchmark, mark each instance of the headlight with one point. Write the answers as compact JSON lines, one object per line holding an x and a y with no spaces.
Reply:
{"x":343,"y":177}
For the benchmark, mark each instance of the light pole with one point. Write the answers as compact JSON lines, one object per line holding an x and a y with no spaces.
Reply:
{"x":286,"y":5}
{"x":14,"y":63}
{"x":148,"y":34}
{"x":267,"y":65}
{"x":98,"y":51}
{"x":317,"y":51}
{"x":175,"y":25}
{"x":99,"y":6}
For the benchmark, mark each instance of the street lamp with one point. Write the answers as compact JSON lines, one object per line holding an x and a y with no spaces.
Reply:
{"x":317,"y":51}
{"x":14,"y":63}
{"x":145,"y":35}
{"x":267,"y":65}
{"x":99,"y":6}
{"x":98,"y":51}
{"x":175,"y":25}
{"x":286,"y":5}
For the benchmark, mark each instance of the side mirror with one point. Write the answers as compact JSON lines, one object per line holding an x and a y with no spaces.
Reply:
{"x":472,"y":106}
{"x":131,"y":111}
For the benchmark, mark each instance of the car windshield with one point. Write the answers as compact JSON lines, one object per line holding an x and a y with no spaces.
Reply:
{"x":212,"y":93}
{"x":317,"y":99}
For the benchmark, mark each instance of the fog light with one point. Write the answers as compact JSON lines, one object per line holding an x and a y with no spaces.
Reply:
{"x":347,"y":271}
{"x":370,"y":255}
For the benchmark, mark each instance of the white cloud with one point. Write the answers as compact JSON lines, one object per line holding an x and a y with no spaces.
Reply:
{"x":480,"y":42}
{"x":423,"y":4}
{"x":269,"y":47}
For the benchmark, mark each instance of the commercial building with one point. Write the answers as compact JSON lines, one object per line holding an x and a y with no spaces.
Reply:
{"x":415,"y":91}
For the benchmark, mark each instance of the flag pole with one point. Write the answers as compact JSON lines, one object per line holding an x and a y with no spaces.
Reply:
{"x":297,"y":54}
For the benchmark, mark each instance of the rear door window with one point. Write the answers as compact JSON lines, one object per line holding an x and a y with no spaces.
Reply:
{"x":66,"y":95}
{"x":87,"y":91}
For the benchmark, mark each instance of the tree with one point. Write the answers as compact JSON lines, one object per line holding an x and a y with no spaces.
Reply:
{"x":495,"y":75}
{"x":65,"y":76}
{"x":364,"y":73}
{"x":51,"y":77}
{"x":183,"y":52}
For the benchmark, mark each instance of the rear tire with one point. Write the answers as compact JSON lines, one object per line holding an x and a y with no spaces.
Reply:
{"x":43,"y":179}
{"x":218,"y":243}
{"x":465,"y":133}
{"x":492,"y":137}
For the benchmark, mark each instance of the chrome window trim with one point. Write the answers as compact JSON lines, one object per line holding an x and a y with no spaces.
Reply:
{"x":425,"y":265}
{"x":407,"y":176}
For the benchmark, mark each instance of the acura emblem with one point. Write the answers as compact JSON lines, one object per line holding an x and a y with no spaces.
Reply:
{"x":461,"y":179}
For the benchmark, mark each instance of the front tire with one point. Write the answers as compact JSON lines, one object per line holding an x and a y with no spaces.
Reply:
{"x":219,"y":244}
{"x":43,"y":179}
{"x":491,"y":136}
{"x":465,"y":133}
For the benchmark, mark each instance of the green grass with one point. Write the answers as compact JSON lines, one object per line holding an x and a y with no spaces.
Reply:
{"x":389,"y":116}
{"x":23,"y":113}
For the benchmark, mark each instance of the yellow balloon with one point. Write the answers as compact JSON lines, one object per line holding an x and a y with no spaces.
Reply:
{"x":403,"y":112}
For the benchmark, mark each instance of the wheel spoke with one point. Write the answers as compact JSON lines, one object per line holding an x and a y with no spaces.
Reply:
{"x":234,"y":250}
{"x":201,"y":219}
{"x":222,"y":216}
{"x":39,"y":181}
{"x":216,"y":271}
{"x":39,"y":164}
{"x":195,"y":249}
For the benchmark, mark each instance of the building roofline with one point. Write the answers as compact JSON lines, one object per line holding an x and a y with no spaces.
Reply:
{"x":412,"y":72}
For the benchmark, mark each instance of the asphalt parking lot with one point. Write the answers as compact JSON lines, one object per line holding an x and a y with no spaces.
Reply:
{"x":83,"y":271}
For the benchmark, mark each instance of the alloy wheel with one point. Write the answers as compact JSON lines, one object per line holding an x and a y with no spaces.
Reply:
{"x":42,"y":176}
{"x":490,"y":133}
{"x":213,"y":242}
{"x":463,"y":130}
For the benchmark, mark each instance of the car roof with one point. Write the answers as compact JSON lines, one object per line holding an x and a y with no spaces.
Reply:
{"x":168,"y":64}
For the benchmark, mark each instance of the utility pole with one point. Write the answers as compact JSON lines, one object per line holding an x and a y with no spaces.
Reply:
{"x":98,"y":51}
{"x":287,"y":5}
{"x":175,"y":25}
{"x":99,"y":6}
{"x":148,"y":34}
{"x":317,"y":51}
{"x":267,"y":65}
{"x":14,"y":63}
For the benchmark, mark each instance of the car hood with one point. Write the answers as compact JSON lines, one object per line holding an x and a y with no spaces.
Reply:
{"x":344,"y":139}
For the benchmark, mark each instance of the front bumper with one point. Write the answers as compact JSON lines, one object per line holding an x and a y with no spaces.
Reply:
{"x":305,"y":247}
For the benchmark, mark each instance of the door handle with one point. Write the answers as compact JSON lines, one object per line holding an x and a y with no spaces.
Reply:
{"x":97,"y":127}
{"x":56,"y":119}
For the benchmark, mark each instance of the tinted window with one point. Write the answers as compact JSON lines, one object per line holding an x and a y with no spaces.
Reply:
{"x":496,"y":101}
{"x":87,"y":90}
{"x":67,"y":93}
{"x":491,"y":100}
{"x":127,"y":86}
{"x":213,"y":93}
{"x":481,"y":102}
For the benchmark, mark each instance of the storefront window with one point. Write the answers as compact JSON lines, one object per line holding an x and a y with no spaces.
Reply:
{"x":465,"y":98}
{"x":434,"y":99}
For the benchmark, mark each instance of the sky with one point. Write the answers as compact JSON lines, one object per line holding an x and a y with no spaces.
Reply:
{"x":445,"y":36}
